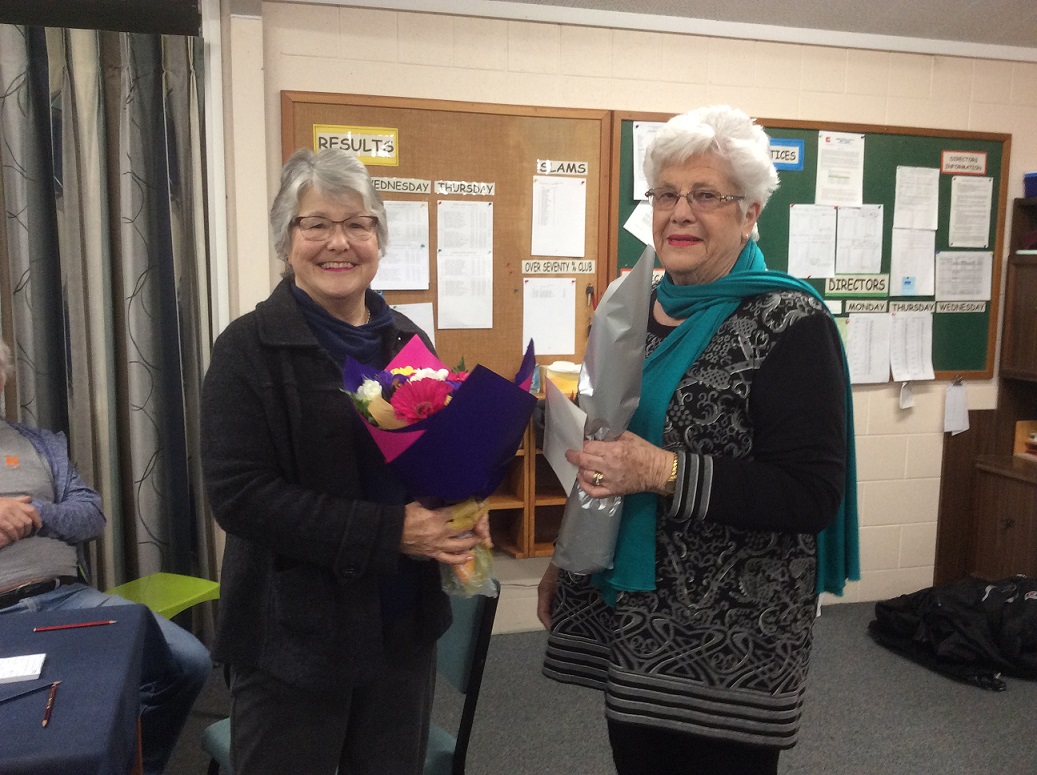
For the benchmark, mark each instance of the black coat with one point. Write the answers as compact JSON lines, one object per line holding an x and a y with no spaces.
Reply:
{"x":305,"y":553}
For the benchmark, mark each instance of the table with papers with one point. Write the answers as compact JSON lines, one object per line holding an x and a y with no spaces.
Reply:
{"x":93,"y":725}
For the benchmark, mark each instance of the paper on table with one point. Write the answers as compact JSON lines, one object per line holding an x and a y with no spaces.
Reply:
{"x":563,"y":429}
{"x":23,"y":668}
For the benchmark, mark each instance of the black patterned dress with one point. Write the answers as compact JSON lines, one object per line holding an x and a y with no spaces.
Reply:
{"x":720,"y":648}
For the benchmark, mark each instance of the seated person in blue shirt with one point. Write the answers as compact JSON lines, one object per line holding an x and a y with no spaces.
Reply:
{"x":46,"y":510}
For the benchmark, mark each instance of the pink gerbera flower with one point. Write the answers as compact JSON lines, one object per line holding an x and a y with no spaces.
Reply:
{"x":415,"y":401}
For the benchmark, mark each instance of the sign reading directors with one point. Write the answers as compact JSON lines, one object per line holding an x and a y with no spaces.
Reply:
{"x":371,"y":144}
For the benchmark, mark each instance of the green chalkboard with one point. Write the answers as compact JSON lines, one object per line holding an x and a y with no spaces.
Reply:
{"x":963,"y":342}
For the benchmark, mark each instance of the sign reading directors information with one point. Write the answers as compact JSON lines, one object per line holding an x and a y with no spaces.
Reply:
{"x":371,"y":144}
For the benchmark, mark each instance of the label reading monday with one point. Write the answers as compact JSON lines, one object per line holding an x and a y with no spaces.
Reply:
{"x":564,"y":266}
{"x":375,"y":145}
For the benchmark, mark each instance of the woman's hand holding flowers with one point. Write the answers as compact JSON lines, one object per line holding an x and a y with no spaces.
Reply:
{"x":623,"y":466}
{"x":428,"y":533}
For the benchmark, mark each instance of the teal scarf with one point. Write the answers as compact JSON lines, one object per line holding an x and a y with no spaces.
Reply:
{"x":704,"y":308}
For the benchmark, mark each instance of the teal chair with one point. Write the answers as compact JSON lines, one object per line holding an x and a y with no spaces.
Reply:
{"x":460,"y":659}
{"x":168,"y":593}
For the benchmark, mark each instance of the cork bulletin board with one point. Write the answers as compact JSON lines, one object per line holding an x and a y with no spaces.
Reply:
{"x":436,"y":140}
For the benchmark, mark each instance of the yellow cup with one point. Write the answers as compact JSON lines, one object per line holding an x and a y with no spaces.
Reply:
{"x":566,"y":377}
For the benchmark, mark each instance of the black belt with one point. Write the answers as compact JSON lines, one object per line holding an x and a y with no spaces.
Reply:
{"x":12,"y":596}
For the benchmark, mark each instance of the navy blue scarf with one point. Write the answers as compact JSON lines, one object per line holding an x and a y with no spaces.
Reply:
{"x":341,"y":339}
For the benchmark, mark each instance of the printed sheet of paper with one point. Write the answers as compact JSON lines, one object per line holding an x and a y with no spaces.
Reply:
{"x":464,"y":280}
{"x":464,"y":225}
{"x":912,"y":262}
{"x":23,"y":668}
{"x":840,"y":169}
{"x":549,"y":314}
{"x":917,"y":198}
{"x":971,"y":198}
{"x":559,"y":216}
{"x":911,"y":346}
{"x":422,"y":315}
{"x":640,"y":223}
{"x":644,"y":133}
{"x":858,"y":247}
{"x":956,"y":410}
{"x":811,"y":240}
{"x":963,"y":276}
{"x":405,"y":264}
{"x":867,"y":347}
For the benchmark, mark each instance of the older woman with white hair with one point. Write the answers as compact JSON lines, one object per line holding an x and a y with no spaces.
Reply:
{"x":736,"y":458}
{"x":328,"y":613}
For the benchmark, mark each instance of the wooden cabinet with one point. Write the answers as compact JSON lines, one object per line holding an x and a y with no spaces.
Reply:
{"x":526,"y":510}
{"x":996,"y":492}
{"x":1005,"y":508}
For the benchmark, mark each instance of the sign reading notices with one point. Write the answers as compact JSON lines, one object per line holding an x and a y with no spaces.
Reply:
{"x":371,"y":144}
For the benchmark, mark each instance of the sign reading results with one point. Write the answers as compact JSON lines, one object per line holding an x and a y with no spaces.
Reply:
{"x":371,"y":144}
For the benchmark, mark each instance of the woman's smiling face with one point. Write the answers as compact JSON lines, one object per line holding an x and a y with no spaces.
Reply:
{"x":693,"y":245}
{"x":335,"y":273}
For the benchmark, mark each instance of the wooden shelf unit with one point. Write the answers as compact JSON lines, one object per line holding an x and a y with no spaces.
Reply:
{"x":526,"y":510}
{"x":988,"y":512}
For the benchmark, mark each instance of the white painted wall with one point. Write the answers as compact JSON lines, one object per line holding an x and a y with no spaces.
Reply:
{"x":324,"y":47}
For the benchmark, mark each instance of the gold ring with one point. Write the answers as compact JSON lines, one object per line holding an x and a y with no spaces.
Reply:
{"x":598,"y":476}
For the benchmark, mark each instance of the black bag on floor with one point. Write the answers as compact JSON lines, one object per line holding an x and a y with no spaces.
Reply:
{"x":971,"y":631}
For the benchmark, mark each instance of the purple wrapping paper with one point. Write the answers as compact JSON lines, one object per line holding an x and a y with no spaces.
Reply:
{"x":465,"y":449}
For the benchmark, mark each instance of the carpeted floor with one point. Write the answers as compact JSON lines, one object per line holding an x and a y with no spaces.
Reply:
{"x":867,"y":712}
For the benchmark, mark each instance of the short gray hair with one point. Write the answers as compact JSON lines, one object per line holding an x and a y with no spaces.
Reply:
{"x":729,"y":134}
{"x":335,"y":174}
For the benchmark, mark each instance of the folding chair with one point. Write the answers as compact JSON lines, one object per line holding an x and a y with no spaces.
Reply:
{"x":461,"y":657}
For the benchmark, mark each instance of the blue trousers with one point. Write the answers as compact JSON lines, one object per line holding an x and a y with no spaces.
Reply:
{"x":171,"y":678}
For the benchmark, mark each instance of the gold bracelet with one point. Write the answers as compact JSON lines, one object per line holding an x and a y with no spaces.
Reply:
{"x":671,"y":484}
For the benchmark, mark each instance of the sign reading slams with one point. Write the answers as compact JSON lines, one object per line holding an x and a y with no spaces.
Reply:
{"x":371,"y":144}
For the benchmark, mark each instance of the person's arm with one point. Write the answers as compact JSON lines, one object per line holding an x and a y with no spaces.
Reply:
{"x":794,"y":480}
{"x":75,"y":515}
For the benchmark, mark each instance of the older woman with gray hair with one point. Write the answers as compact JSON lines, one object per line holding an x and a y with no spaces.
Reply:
{"x":329,"y":611}
{"x":737,"y":457}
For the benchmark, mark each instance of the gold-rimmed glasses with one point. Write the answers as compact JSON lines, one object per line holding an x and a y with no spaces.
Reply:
{"x":699,"y":199}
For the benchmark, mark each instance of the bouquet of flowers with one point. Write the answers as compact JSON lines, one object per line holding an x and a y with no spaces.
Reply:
{"x":449,"y":434}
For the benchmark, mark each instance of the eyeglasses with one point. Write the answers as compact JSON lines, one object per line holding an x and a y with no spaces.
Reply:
{"x":317,"y":228}
{"x":701,"y":199}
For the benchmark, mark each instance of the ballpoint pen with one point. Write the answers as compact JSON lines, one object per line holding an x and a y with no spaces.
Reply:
{"x":50,"y":702}
{"x":51,"y":627}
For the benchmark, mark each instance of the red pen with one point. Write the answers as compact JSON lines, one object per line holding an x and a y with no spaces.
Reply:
{"x":72,"y":626}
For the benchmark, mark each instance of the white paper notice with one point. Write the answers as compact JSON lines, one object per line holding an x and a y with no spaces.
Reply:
{"x":962,"y":276}
{"x":858,"y":247}
{"x":422,"y":315}
{"x":840,"y":169}
{"x":911,"y":346}
{"x":564,"y":422}
{"x":956,"y":410}
{"x":559,"y":216}
{"x":644,"y":133}
{"x":811,"y":240}
{"x":465,"y":225}
{"x":917,"y":198}
{"x":464,"y":280}
{"x":549,"y":314}
{"x":405,"y":263}
{"x":970,"y":211}
{"x":640,"y":223}
{"x":912,"y":262}
{"x":867,"y":347}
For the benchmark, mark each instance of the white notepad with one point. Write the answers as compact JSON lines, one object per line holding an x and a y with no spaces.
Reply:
{"x":24,"y":668}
